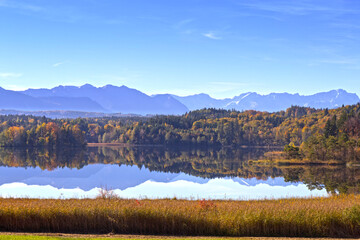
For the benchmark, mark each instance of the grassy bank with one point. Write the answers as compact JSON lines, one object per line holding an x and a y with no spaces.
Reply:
{"x":112,"y":237}
{"x":126,"y":237}
{"x":337,"y":216}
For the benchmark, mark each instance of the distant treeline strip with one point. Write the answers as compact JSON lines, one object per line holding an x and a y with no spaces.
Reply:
{"x":319,"y":134}
{"x":336,"y":216}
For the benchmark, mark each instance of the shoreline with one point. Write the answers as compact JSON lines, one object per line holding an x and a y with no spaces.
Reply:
{"x":69,"y":236}
{"x":177,"y":146}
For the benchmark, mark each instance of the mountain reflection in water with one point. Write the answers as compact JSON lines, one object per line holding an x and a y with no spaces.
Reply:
{"x":158,"y":172}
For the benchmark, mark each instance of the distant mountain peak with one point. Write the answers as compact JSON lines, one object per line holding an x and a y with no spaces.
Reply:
{"x":125,"y":87}
{"x":202,"y":95}
{"x":87,"y":85}
{"x":113,"y":87}
{"x":109,"y":86}
{"x":342,"y":91}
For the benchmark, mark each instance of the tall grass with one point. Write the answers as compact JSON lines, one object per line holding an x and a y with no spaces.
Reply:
{"x":337,"y":216}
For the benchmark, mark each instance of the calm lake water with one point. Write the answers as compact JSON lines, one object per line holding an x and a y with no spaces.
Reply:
{"x":164,"y":173}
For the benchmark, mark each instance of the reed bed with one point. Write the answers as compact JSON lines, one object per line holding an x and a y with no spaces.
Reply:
{"x":336,"y":216}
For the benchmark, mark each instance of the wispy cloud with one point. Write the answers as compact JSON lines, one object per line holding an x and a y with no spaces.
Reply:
{"x":351,"y":26}
{"x":343,"y":62}
{"x":258,"y":15}
{"x":268,"y":59}
{"x":46,"y":10}
{"x":212,"y":35}
{"x":184,"y":27}
{"x":188,"y":31}
{"x":300,"y":7}
{"x":183,"y":23}
{"x":10,"y":75}
{"x":349,"y":61}
{"x":20,"y":5}
{"x":58,"y":64}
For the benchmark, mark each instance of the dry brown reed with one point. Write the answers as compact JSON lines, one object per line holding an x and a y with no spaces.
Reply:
{"x":336,"y":216}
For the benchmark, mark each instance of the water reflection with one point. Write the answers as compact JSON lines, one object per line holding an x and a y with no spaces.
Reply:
{"x":159,"y":172}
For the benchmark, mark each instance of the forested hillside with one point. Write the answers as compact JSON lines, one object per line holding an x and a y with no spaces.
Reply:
{"x":25,"y":131}
{"x":320,"y":134}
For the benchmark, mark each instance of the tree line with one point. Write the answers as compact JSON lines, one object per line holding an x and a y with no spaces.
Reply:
{"x":307,"y":132}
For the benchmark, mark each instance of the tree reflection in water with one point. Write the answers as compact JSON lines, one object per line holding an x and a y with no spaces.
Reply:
{"x":205,"y":163}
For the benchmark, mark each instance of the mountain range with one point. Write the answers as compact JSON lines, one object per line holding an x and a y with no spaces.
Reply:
{"x":272,"y":102}
{"x":111,"y":99}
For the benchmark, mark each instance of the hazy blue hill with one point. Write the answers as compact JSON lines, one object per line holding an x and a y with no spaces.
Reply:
{"x":73,"y":104}
{"x":63,"y":91}
{"x":170,"y":104}
{"x":41,"y":92}
{"x":18,"y":101}
{"x":117,"y":99}
{"x":199,"y":101}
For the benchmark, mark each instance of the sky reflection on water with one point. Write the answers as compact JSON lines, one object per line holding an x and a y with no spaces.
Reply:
{"x":132,"y":182}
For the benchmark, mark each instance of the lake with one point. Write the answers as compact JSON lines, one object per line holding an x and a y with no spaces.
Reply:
{"x":156,"y":172}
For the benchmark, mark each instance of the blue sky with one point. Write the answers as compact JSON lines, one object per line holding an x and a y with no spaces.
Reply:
{"x":220,"y":47}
